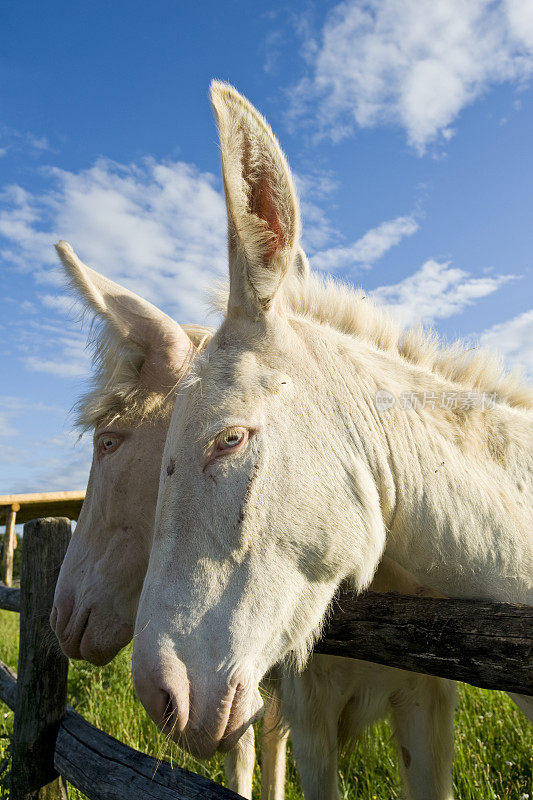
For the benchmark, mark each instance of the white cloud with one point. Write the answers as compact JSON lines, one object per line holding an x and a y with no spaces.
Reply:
{"x":413,"y":63}
{"x":66,"y":303}
{"x":65,"y":461}
{"x":158,"y":228}
{"x":369,"y":248}
{"x":18,"y":405}
{"x":514,"y":340}
{"x":54,"y":346}
{"x":435,"y":291}
{"x":6,"y":429}
{"x":12,"y":409}
{"x":30,"y":462}
{"x":60,"y":368}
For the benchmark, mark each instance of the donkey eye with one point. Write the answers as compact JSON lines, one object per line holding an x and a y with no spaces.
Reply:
{"x":230,"y":440}
{"x":226,"y":443}
{"x":108,"y":443}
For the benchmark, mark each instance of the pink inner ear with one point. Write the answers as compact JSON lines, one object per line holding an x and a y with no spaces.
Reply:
{"x":262,"y":201}
{"x":264,"y":206}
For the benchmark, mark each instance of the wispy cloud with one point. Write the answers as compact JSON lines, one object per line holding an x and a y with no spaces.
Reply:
{"x":55,"y":345}
{"x":18,"y":405}
{"x":514,"y":340}
{"x":50,"y":464}
{"x":6,"y":428}
{"x":61,"y":368}
{"x":65,"y":460}
{"x":158,"y":228}
{"x":13,"y":140}
{"x":12,"y":409}
{"x":368,"y":249}
{"x":65,"y":303}
{"x":413,"y":63}
{"x":436,"y":291}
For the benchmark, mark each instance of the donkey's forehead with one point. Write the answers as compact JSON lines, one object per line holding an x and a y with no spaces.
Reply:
{"x":243,"y":371}
{"x":239,"y":357}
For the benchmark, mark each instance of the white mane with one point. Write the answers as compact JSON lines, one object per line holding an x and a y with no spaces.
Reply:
{"x":350,"y":311}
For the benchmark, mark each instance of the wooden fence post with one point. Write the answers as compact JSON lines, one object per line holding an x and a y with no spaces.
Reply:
{"x":9,"y":545}
{"x":42,"y":668}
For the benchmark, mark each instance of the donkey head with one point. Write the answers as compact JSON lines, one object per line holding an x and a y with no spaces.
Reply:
{"x":270,"y":501}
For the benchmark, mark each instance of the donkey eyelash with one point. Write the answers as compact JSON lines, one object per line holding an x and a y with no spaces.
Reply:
{"x":212,"y":443}
{"x":220,"y":445}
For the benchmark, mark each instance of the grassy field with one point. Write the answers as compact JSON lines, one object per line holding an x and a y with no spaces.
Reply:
{"x":494,"y":743}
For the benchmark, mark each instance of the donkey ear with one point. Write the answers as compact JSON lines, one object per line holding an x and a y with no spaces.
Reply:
{"x":263,"y":213}
{"x":133,"y":323}
{"x":301,"y":266}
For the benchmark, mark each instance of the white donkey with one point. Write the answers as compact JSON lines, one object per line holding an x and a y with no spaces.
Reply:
{"x":142,"y":355}
{"x":286,"y":479}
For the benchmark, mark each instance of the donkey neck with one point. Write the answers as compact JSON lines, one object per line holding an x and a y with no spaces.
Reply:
{"x":461,"y":521}
{"x":449,"y":466}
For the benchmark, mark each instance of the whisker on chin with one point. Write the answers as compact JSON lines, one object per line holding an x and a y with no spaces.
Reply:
{"x":138,"y":633}
{"x":167,"y":740}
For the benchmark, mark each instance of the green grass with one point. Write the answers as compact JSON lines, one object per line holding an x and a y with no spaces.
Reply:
{"x":494,"y":742}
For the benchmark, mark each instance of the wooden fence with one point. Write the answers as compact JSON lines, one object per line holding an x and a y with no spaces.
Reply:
{"x":486,"y":644}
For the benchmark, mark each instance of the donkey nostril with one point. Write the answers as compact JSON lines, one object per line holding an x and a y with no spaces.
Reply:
{"x":163,"y":689}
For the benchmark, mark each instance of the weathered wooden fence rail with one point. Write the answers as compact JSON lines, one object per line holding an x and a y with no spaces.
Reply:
{"x":486,"y":644}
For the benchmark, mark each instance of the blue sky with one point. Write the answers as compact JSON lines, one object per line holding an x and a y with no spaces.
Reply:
{"x":408,"y":125}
